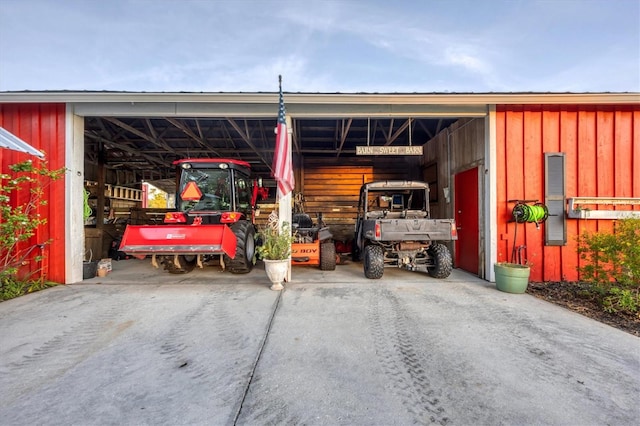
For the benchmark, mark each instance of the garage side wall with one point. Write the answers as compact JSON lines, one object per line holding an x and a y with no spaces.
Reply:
{"x":43,"y":127}
{"x":462,"y":143}
{"x":601,"y":145}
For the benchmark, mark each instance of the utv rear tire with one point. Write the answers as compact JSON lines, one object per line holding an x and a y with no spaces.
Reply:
{"x":442,"y":261}
{"x":327,"y":256}
{"x":245,"y":248}
{"x":187,"y":263}
{"x":373,"y":262}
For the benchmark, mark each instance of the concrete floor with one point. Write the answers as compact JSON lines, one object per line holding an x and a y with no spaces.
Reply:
{"x":142,"y":346}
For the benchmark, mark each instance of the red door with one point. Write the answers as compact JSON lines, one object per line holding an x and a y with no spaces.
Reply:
{"x":466,"y":208}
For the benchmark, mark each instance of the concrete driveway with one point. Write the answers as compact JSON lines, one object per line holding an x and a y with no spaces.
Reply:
{"x":141,"y":346}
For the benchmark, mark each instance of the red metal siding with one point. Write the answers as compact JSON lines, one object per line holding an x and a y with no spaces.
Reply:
{"x":602,"y":154}
{"x":43,"y":127}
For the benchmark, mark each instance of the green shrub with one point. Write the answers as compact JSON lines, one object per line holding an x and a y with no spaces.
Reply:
{"x":19,"y":222}
{"x":621,"y":300}
{"x":611,"y":261}
{"x":274,"y":243}
{"x":12,"y":287}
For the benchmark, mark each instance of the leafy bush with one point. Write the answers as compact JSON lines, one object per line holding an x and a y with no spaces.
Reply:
{"x":19,"y":222}
{"x":612,"y":264}
{"x":274,"y":244}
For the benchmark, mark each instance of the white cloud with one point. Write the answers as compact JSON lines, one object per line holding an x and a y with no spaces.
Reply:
{"x":317,"y":46}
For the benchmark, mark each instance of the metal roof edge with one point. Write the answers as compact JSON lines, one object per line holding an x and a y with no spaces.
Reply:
{"x":322,"y":98}
{"x":10,"y":141}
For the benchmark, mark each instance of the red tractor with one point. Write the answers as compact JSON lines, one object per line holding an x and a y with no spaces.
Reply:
{"x":214,"y":219}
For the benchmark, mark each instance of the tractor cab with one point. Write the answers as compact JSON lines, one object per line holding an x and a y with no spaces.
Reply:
{"x":212,"y":191}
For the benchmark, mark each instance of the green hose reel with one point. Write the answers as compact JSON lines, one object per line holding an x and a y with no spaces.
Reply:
{"x":525,"y":213}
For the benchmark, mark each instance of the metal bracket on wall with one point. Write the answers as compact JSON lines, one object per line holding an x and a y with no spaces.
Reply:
{"x":576,"y":211}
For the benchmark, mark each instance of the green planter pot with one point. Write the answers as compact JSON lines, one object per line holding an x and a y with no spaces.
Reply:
{"x":511,"y":277}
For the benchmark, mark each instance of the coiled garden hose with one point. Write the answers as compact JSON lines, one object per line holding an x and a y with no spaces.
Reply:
{"x":524,"y":213}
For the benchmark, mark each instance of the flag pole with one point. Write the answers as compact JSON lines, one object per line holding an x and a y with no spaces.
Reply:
{"x":284,"y":208}
{"x":284,"y":199}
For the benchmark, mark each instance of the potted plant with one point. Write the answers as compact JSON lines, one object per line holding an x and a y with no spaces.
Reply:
{"x":511,"y":277}
{"x":274,"y":249}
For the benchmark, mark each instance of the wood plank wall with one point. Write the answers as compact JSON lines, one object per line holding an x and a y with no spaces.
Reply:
{"x":602,"y":154}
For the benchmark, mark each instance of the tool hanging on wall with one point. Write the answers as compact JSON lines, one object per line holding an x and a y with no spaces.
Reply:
{"x":298,"y":203}
{"x":86,"y":212}
{"x":523,"y":212}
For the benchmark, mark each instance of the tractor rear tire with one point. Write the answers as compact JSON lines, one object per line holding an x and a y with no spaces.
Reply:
{"x":187,"y":263}
{"x":442,"y":261}
{"x":373,"y":262}
{"x":242,"y":263}
{"x":327,"y":256}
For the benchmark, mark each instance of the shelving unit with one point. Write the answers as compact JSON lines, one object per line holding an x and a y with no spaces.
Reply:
{"x":115,"y":192}
{"x":119,"y":200}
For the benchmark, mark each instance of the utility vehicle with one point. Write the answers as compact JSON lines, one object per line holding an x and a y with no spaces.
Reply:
{"x":394,"y":229}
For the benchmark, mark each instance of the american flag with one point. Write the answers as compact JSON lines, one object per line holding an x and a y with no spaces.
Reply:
{"x":282,"y":166}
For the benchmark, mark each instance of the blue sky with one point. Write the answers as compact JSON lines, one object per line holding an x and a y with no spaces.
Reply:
{"x":321,"y":46}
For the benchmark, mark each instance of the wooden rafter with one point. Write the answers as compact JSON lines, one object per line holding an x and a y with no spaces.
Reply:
{"x":187,"y":130}
{"x":247,"y":138}
{"x":345,"y":131}
{"x":398,"y":132}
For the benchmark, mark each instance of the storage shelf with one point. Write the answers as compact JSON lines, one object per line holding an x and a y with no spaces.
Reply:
{"x":117,"y":192}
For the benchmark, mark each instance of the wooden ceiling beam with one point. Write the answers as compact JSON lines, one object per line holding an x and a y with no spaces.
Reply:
{"x":247,"y":138}
{"x":398,"y":132}
{"x":150,"y":158}
{"x":345,"y":131}
{"x":180,"y":125}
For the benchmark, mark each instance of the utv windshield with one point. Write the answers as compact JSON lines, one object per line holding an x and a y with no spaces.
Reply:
{"x":205,"y":189}
{"x":396,"y":200}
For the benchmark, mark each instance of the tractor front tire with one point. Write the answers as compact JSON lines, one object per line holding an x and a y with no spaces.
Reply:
{"x":187,"y":263}
{"x":441,"y":259}
{"x":242,"y":263}
{"x":373,"y":262}
{"x":327,"y":256}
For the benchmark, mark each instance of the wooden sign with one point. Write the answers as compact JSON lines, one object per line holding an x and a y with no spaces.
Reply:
{"x":389,"y":150}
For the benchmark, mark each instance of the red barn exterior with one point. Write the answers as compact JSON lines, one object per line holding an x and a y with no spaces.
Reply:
{"x":597,"y":134}
{"x":43,"y":127}
{"x":602,"y":155}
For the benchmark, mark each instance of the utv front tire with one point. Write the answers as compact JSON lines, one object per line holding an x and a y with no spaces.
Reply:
{"x":373,"y":262}
{"x":242,"y":263}
{"x":441,"y":260}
